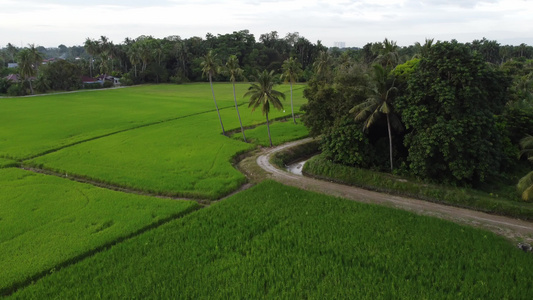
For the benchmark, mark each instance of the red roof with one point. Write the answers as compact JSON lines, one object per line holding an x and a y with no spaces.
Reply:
{"x":87,"y":79}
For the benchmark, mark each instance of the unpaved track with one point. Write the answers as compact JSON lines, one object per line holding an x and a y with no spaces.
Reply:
{"x":514,"y":229}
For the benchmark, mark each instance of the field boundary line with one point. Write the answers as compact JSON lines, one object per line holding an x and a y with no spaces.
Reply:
{"x":108,"y":186}
{"x":112,"y":133}
{"x":4,"y":292}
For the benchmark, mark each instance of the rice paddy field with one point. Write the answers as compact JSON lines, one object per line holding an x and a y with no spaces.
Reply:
{"x":63,"y":239}
{"x":46,"y":221}
{"x":279,"y":242}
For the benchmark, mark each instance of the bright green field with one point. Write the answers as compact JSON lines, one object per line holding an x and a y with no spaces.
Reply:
{"x":35,"y":125}
{"x":185,"y":157}
{"x":46,"y":221}
{"x":279,"y":242}
{"x":281,"y":132}
{"x":4,"y":163}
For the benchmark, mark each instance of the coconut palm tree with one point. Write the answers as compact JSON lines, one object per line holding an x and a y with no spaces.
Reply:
{"x":379,"y":103}
{"x":29,"y":60}
{"x":263,"y":94}
{"x":210,"y":68}
{"x":388,"y":54}
{"x":233,"y":70}
{"x":92,"y":47}
{"x":291,"y":71}
{"x":322,"y":66}
{"x":525,"y":185}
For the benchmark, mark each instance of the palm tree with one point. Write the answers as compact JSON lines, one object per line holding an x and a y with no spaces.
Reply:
{"x":525,"y":185}
{"x":232,"y":68}
{"x":29,"y":60}
{"x":291,"y":71}
{"x":210,"y":68}
{"x":382,"y":91}
{"x":263,"y":94}
{"x":388,"y":54}
{"x":323,"y":65}
{"x":92,"y":48}
{"x":423,"y":50}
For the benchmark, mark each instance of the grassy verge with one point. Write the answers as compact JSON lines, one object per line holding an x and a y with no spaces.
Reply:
{"x":282,"y":131}
{"x":287,"y":156}
{"x":322,"y":168}
{"x":279,"y":242}
{"x":46,"y":222}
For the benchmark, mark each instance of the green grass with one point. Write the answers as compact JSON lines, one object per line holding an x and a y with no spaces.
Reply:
{"x":36,"y":125}
{"x":281,"y":132}
{"x":320,"y":167}
{"x":279,"y":242}
{"x":185,"y":157}
{"x":6,"y":163}
{"x":46,"y":221}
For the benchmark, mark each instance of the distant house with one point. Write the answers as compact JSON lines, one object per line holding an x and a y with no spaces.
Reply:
{"x":89,"y":80}
{"x":16,"y":78}
{"x":103,"y":78}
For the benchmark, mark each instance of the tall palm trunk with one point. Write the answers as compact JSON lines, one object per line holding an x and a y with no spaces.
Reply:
{"x":31,"y":87}
{"x":238,"y":114}
{"x":268,"y":128}
{"x":216,"y":106}
{"x":292,"y":108}
{"x":390,"y":141}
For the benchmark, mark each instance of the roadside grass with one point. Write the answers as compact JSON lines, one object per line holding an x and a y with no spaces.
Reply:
{"x":273,"y":241}
{"x":321,"y":167}
{"x":282,"y":131}
{"x":186,"y":158}
{"x":47,"y":221}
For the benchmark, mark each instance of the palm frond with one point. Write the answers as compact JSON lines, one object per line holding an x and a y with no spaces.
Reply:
{"x":525,"y":187}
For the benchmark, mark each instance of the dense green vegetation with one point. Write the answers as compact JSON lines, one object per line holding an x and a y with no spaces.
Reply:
{"x":275,"y":241}
{"x":453,"y":113}
{"x":46,"y":221}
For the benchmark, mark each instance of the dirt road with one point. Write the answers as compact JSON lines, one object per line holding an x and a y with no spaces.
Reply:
{"x":514,"y":229}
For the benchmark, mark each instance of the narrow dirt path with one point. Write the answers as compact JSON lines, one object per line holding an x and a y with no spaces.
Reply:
{"x":514,"y":229}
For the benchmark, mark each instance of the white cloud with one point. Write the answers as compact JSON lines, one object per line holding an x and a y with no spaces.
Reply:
{"x":356,"y":22}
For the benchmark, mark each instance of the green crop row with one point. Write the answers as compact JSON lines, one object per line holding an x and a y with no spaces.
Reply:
{"x":279,"y":242}
{"x":320,"y":167}
{"x":47,"y":221}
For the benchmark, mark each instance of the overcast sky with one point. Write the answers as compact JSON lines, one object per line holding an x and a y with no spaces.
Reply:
{"x":355,"y":22}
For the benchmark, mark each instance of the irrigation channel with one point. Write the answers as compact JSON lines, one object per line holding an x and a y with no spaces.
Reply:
{"x":514,"y":229}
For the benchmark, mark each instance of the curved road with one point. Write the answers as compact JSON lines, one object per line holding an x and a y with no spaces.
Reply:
{"x":513,"y":229}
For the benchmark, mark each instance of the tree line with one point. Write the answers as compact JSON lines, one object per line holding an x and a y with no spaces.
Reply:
{"x":172,"y":59}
